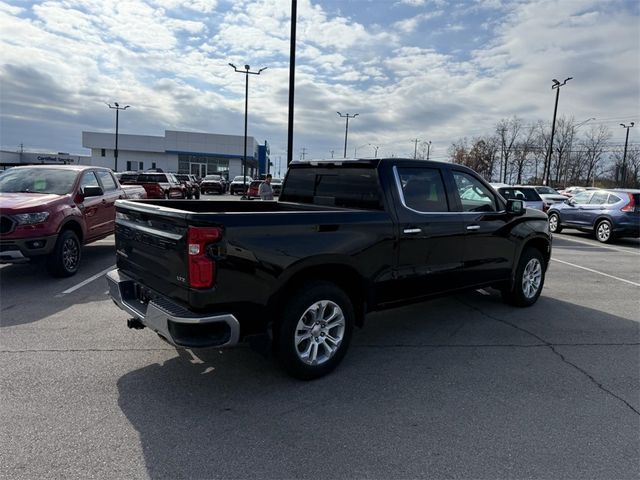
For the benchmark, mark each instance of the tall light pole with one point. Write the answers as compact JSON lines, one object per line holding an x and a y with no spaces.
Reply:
{"x":375,"y":149}
{"x":624,"y":157}
{"x":428,"y":149}
{"x":117,"y":108}
{"x":292,"y":78}
{"x":246,"y":72}
{"x":415,"y":147}
{"x":547,"y":168}
{"x":346,"y":131}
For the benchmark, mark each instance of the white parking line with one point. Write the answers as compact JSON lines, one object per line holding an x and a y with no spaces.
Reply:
{"x":598,"y":245}
{"x":596,"y":271}
{"x":85,"y":282}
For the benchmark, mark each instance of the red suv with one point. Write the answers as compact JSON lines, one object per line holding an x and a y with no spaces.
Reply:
{"x":160,"y":185}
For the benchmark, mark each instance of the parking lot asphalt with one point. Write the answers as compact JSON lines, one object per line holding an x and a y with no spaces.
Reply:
{"x":459,"y":387}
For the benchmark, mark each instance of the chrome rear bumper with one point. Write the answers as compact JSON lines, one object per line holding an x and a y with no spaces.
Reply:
{"x":179,"y":326}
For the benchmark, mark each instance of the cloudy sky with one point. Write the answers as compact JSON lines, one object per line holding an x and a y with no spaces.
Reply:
{"x":429,"y":69}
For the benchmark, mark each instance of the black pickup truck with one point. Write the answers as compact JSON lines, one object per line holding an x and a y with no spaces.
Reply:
{"x":344,"y":239}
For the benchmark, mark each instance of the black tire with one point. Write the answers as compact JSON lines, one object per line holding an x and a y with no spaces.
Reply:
{"x":64,"y":260}
{"x":603,"y":231}
{"x":166,"y":195}
{"x":197,"y":195}
{"x":522,"y":293}
{"x":554,"y":223}
{"x":300,"y":309}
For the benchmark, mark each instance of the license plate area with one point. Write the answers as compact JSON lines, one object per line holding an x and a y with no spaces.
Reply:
{"x":136,"y":296}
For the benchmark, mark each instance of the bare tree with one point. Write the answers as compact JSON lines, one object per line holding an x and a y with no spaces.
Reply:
{"x":593,"y":146}
{"x":523,"y":152}
{"x":507,"y":131}
{"x":562,"y":146}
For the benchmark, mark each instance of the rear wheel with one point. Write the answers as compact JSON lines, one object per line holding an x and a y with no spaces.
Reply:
{"x":603,"y":231}
{"x":528,"y":281}
{"x":64,"y":260}
{"x":314,"y":333}
{"x":197,"y":195}
{"x":554,"y":223}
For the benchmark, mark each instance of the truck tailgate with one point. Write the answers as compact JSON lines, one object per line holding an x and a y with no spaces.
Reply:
{"x":151,"y":247}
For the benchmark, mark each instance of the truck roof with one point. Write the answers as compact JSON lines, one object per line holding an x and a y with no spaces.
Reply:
{"x":365,"y":161}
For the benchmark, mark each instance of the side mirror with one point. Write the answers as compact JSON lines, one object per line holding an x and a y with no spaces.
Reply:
{"x":91,"y":191}
{"x":515,"y":207}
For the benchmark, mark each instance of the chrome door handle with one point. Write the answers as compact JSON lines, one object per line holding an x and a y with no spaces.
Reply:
{"x":412,"y":230}
{"x":473,"y":227}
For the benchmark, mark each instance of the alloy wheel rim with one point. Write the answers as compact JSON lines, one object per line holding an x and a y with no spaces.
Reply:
{"x":553,"y":223}
{"x":604,"y":231}
{"x":319,"y":332}
{"x":70,"y":253}
{"x":531,"y":278}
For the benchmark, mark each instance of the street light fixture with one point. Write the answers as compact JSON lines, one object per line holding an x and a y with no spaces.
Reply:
{"x":624,"y":157}
{"x":117,"y":108}
{"x":428,"y":149}
{"x":246,"y":72}
{"x":375,"y":149}
{"x":346,"y":131}
{"x":547,"y":168}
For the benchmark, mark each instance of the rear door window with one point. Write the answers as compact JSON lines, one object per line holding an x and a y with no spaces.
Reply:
{"x":474,"y":196}
{"x":422,"y":189}
{"x":343,"y":187}
{"x":599,"y":198}
{"x":613,"y":199}
{"x":107,"y":180}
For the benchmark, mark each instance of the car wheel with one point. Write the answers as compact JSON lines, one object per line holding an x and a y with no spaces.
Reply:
{"x":554,"y":223}
{"x":603,"y":231}
{"x":166,"y":195}
{"x":528,"y":281}
{"x":64,"y":260}
{"x":315,"y":330}
{"x":197,"y":195}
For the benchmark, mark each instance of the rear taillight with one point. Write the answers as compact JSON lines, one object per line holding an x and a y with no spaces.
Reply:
{"x":202,"y":269}
{"x":629,"y":207}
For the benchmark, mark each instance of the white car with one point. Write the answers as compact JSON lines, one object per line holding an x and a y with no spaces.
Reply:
{"x":239,"y":184}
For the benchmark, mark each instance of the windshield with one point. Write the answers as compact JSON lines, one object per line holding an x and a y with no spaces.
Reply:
{"x":38,"y":180}
{"x":547,"y":191}
{"x":526,"y":194}
{"x":212,"y":177}
{"x":239,"y":178}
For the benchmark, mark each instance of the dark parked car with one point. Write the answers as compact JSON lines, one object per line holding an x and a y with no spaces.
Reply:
{"x":606,"y":213}
{"x":212,"y":184}
{"x":344,"y":239}
{"x":190,"y":182}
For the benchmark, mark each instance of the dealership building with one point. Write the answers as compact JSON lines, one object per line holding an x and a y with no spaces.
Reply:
{"x":181,"y":152}
{"x":13,"y":159}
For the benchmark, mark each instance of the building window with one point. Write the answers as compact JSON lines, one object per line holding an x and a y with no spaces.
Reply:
{"x":128,"y":166}
{"x":103,"y":152}
{"x":140,"y":165}
{"x":153,"y":165}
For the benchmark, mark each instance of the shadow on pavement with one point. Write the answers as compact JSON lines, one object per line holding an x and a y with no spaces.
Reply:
{"x":29,"y":293}
{"x":462,"y":387}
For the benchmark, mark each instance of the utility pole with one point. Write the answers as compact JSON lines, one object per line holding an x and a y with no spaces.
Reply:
{"x":624,"y":157}
{"x":304,"y":153}
{"x":117,"y":108}
{"x":246,"y":116}
{"x":415,"y":148}
{"x":292,"y":78}
{"x":547,"y":164}
{"x":332,"y":151}
{"x":346,"y":131}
